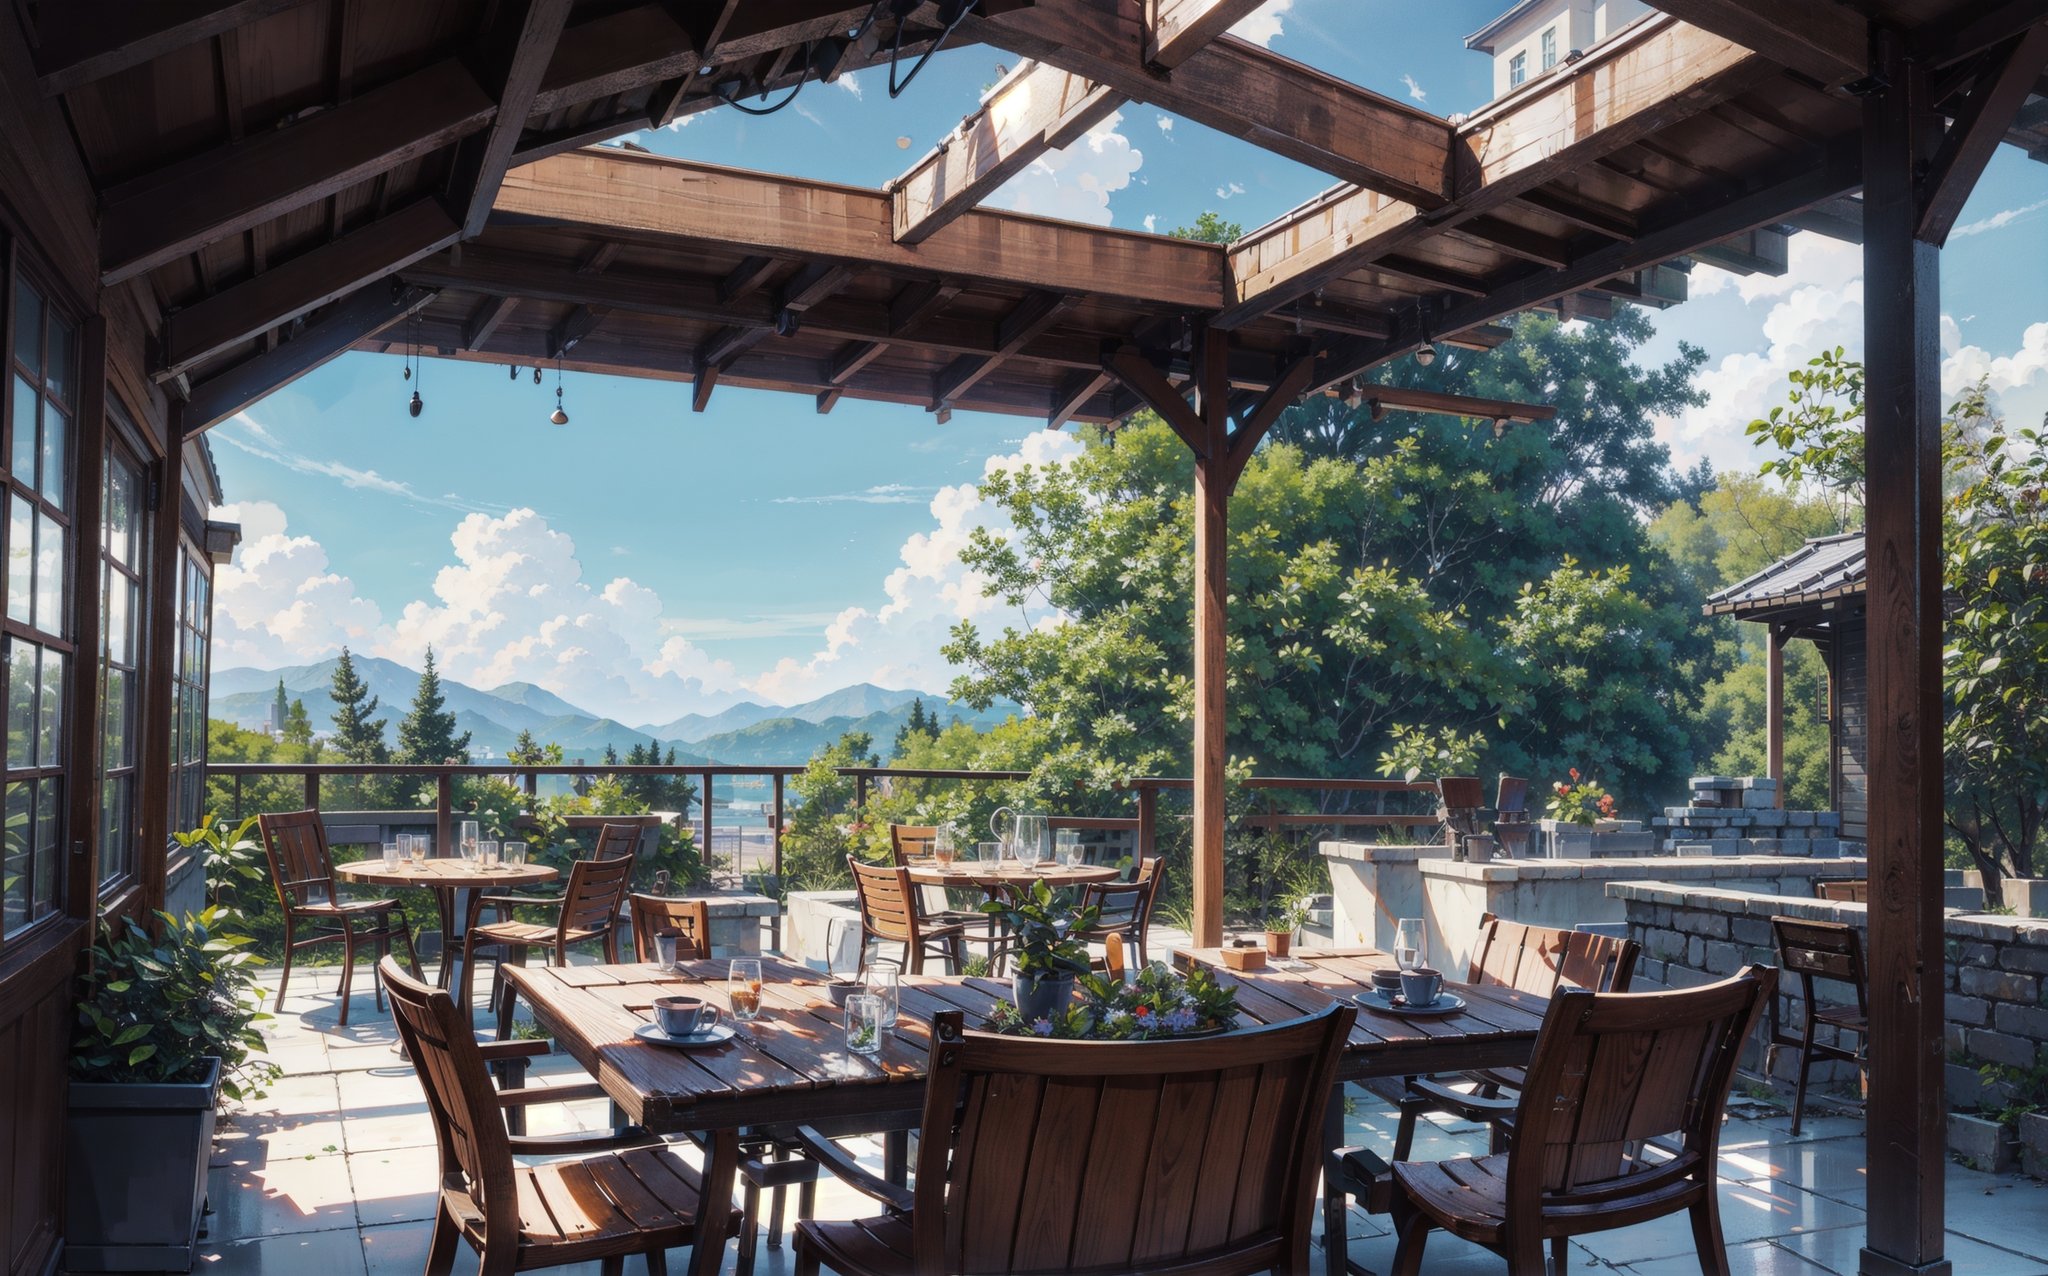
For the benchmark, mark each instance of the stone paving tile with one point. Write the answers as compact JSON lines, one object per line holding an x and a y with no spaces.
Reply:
{"x":1759,"y":1258}
{"x":333,"y":1253}
{"x":295,"y":1194}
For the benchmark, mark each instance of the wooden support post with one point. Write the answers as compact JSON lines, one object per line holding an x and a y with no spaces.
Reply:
{"x":705,"y":799}
{"x":1774,"y":708}
{"x":776,"y":832}
{"x":1148,"y":822}
{"x":444,"y":810}
{"x":311,"y":781}
{"x":1906,"y":1120}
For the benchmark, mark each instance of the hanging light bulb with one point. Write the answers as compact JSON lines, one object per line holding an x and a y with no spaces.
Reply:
{"x":418,"y":405}
{"x":415,"y":405}
{"x":1427,"y":354}
{"x":514,"y":370}
{"x":558,"y":416}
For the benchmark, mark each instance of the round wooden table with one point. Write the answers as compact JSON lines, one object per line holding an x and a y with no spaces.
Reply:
{"x":445,"y":876}
{"x":992,"y":878}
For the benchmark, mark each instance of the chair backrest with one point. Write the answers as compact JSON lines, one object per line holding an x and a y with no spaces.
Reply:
{"x":886,"y":904}
{"x":1117,"y":903}
{"x":1537,"y":959}
{"x":1050,"y":1156}
{"x":617,"y":841}
{"x":908,"y":840}
{"x":597,"y":890}
{"x":1821,"y":950}
{"x":1842,"y":890}
{"x":1151,"y":876}
{"x":475,"y":1152}
{"x":1612,"y":1071}
{"x":688,"y":919}
{"x":1460,"y":792}
{"x":301,"y":869}
{"x":1513,"y":797}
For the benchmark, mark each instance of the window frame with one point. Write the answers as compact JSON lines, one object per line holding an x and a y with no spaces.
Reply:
{"x":190,"y":675}
{"x":120,"y":866}
{"x":1548,"y":43}
{"x":1518,"y":69}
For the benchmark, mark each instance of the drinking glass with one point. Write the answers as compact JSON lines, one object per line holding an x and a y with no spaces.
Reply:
{"x":466,"y":841}
{"x":885,"y":980}
{"x":391,"y":855}
{"x":864,"y":1024}
{"x":743,"y":986}
{"x":1030,"y":850}
{"x":942,"y":844}
{"x":989,"y":852}
{"x":665,"y":950}
{"x":515,"y":852}
{"x":419,"y":848}
{"x":487,"y":852}
{"x":1067,"y":847}
{"x":661,"y":882}
{"x":1408,"y":952}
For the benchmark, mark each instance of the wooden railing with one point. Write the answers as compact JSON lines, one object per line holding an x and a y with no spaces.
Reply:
{"x":1143,"y":824}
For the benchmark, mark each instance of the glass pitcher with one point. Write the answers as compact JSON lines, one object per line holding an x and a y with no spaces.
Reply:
{"x":1021,"y":833}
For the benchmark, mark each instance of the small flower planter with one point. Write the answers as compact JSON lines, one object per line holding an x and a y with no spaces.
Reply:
{"x":1279,"y":943}
{"x":1037,"y":997}
{"x":135,"y":1173}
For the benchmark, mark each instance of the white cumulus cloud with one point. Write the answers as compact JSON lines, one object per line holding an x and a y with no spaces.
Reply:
{"x":1415,"y":90}
{"x":280,"y":602}
{"x":1263,"y":25}
{"x":1075,"y":184}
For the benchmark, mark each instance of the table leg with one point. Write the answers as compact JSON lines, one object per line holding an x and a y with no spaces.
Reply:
{"x":1336,"y":1205}
{"x":444,"y":900}
{"x":507,"y":1000}
{"x":896,"y":1157}
{"x":714,"y":1209}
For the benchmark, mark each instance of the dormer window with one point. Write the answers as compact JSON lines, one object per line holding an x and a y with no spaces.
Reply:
{"x":1549,"y":49}
{"x":1518,"y":69}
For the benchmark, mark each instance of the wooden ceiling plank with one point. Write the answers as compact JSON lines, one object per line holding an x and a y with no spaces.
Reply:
{"x":811,"y":285}
{"x":303,"y":284}
{"x":850,"y":359}
{"x":232,"y":188}
{"x":1599,"y":221}
{"x":1822,"y":39}
{"x":1175,"y":30}
{"x":512,"y":59}
{"x":1037,"y":108}
{"x":1430,"y":275}
{"x":1517,"y":241}
{"x":1981,"y":27}
{"x":579,"y":323}
{"x":1032,"y":316}
{"x":1350,"y":320}
{"x":363,"y":315}
{"x":1652,"y":75}
{"x":919,"y":302}
{"x":484,"y":320}
{"x":81,"y":43}
{"x":747,"y":278}
{"x":1072,"y":395}
{"x":1239,"y":88}
{"x":793,"y":217}
{"x":1976,"y":132}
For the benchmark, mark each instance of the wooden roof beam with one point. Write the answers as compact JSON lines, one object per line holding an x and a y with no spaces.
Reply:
{"x":1654,"y":74}
{"x":484,"y":320}
{"x":80,"y":42}
{"x":919,"y":302}
{"x":1824,"y":40}
{"x":1175,"y":30}
{"x":579,"y":323}
{"x":1032,"y":316}
{"x":1035,"y":109}
{"x":366,"y":313}
{"x":1073,"y":395}
{"x":513,"y":57}
{"x":301,"y":285}
{"x":227,"y":190}
{"x":1400,"y":399}
{"x":747,"y":278}
{"x":612,"y":191}
{"x":1238,"y":88}
{"x":1976,"y":131}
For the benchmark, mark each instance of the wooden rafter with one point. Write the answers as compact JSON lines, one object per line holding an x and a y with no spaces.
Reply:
{"x":484,"y":320}
{"x":81,"y":43}
{"x":1238,"y":88}
{"x":579,"y":323}
{"x":226,"y":191}
{"x":1953,"y":170}
{"x":303,"y":284}
{"x":1036,"y":108}
{"x":514,"y":56}
{"x":366,"y":313}
{"x":1176,"y":29}
{"x":1401,"y":399}
{"x":795,"y":217}
{"x":1649,"y":77}
{"x":1032,"y":316}
{"x":1824,"y":40}
{"x":1072,"y":395}
{"x":747,"y":278}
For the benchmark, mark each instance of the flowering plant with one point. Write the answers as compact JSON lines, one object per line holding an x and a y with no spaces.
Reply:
{"x":1159,"y":1004}
{"x":1581,"y":801}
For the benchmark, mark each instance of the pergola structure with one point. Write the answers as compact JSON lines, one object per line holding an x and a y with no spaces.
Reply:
{"x":232,"y":192}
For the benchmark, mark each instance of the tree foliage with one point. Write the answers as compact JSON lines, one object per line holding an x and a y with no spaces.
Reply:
{"x":426,"y":735}
{"x":358,"y":735}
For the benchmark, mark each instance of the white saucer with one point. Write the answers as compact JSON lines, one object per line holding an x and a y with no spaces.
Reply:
{"x":717,"y":1034}
{"x":1446,"y":1003}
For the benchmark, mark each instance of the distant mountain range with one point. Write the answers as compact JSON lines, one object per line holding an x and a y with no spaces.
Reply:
{"x":744,"y":734}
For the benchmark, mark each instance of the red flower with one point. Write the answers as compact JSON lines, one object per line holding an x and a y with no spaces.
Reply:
{"x":1575,"y":774}
{"x":1563,"y":788}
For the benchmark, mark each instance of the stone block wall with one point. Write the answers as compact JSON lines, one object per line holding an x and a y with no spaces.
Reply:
{"x":1996,"y":968}
{"x":1741,"y":816}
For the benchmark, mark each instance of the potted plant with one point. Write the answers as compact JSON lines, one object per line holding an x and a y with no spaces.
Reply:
{"x":1580,"y":802}
{"x":165,"y":1029}
{"x":1046,"y":947}
{"x":1282,"y":921}
{"x":1156,"y":1005}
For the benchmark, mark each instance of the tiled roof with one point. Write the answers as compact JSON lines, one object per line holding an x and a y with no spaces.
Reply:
{"x":1824,"y":568}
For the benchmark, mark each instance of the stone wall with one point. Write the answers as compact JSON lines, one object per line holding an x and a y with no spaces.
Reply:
{"x":1995,"y":973}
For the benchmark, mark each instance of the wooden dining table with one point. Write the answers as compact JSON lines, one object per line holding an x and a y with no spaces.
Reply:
{"x":791,"y":1067}
{"x":444,"y":876}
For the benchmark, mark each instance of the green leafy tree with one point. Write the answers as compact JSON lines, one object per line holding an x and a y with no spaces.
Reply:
{"x":1210,"y":228}
{"x":919,"y":723}
{"x":526,"y":751}
{"x":298,"y":726}
{"x":820,"y":830}
{"x":426,"y":735}
{"x":358,"y":735}
{"x":1820,"y":432}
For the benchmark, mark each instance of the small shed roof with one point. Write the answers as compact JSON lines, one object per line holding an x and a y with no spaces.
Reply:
{"x":1822,"y":570}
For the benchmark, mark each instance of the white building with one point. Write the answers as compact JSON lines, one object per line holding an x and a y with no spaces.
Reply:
{"x":1536,"y":35}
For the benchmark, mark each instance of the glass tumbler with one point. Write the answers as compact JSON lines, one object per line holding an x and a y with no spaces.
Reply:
{"x":885,"y":980}
{"x":864,"y":1024}
{"x":391,"y":855}
{"x":487,"y":853}
{"x":743,"y":986}
{"x":1408,"y":945}
{"x":515,"y":852}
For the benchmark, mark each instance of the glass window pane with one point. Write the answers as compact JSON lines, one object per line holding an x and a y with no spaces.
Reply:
{"x":15,"y":863}
{"x":21,"y":703}
{"x":24,"y":462}
{"x":117,"y":841}
{"x":43,"y":900}
{"x":55,"y":484}
{"x":120,"y":518}
{"x":21,"y":557}
{"x":59,"y":378}
{"x":28,"y":325}
{"x":50,"y":710}
{"x":120,"y":593}
{"x":50,"y":616}
{"x":118,"y":741}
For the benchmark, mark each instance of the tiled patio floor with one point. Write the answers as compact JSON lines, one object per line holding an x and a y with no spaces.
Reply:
{"x":333,"y":1172}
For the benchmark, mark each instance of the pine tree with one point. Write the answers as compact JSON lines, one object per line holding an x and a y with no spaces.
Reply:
{"x":298,"y":725}
{"x":357,"y":736}
{"x":282,"y":713}
{"x":920,"y":723}
{"x":611,"y":755}
{"x":426,"y":735}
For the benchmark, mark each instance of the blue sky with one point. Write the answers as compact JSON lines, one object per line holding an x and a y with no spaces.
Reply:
{"x":646,"y":561}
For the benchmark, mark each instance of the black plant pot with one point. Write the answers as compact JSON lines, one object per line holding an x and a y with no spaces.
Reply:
{"x":135,"y":1173}
{"x":1038,"y":997}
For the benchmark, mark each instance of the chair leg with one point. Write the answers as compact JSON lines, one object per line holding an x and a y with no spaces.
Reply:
{"x":806,"y":1262}
{"x":1706,"y":1234}
{"x":286,"y":976}
{"x":348,"y":967}
{"x":1404,"y":1133}
{"x":1560,"y":1255}
{"x":465,"y":996}
{"x":612,"y":1266}
{"x":377,"y":980}
{"x":1336,"y":1228}
{"x":1414,"y":1236}
{"x":1799,"y":1090}
{"x":750,"y":1229}
{"x":441,"y":1249}
{"x":657,"y":1263}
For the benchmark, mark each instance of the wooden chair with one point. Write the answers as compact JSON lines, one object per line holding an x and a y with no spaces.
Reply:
{"x":586,"y":912}
{"x":628,"y":1193}
{"x":1126,"y":907}
{"x":1053,"y":1156}
{"x":688,"y":919}
{"x":302,"y":871}
{"x":1842,"y":890}
{"x":1818,"y":950}
{"x":1610,"y":1072}
{"x":1511,"y":816}
{"x":889,"y":914}
{"x":1531,"y":959}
